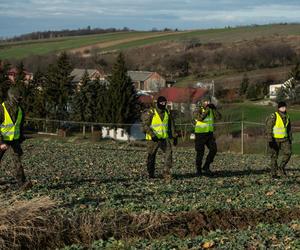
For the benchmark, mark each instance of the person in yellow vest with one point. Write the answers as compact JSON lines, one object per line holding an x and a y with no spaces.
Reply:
{"x":11,"y":119}
{"x":279,"y":136}
{"x":204,"y":117}
{"x":159,"y":127}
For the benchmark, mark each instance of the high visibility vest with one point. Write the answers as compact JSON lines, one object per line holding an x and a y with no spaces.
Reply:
{"x":280,"y":129}
{"x":207,"y":125}
{"x":11,"y":131}
{"x":159,"y":127}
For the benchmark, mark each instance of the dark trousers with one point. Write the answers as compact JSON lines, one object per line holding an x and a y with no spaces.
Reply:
{"x":202,"y":140}
{"x":16,"y":153}
{"x":275,"y":147}
{"x":152,"y":148}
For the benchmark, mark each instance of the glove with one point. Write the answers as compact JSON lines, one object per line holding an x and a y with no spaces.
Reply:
{"x":175,"y":141}
{"x":211,"y":106}
{"x":154,"y":138}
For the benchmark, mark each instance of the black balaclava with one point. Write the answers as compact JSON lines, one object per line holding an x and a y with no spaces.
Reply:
{"x":161,"y":102}
{"x":281,"y":104}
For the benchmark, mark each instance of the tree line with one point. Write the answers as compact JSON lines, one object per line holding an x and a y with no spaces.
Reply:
{"x":53,"y":95}
{"x":62,"y":33}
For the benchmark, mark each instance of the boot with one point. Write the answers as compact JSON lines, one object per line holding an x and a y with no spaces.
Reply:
{"x":282,"y":171}
{"x":206,"y":170}
{"x":198,"y":171}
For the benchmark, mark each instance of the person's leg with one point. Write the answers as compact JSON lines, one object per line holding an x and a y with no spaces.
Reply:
{"x":273,"y":151}
{"x":200,"y":141}
{"x":152,"y":148}
{"x":18,"y":168}
{"x":166,"y":147}
{"x":286,"y":149}
{"x":212,"y":147}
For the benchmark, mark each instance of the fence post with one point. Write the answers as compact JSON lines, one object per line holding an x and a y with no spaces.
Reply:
{"x":83,"y":130}
{"x":92,"y":129}
{"x":242,"y":137}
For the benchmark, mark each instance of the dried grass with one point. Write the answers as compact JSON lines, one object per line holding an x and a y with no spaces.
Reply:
{"x":37,"y":224}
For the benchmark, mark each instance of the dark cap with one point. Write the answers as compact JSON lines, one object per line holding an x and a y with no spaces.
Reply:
{"x":281,"y":104}
{"x":206,"y":98}
{"x":161,"y":99}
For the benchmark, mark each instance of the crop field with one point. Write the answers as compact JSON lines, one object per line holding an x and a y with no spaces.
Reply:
{"x":125,"y":40}
{"x":97,"y":195}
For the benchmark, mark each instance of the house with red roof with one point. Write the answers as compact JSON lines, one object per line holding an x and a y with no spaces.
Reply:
{"x":178,"y":98}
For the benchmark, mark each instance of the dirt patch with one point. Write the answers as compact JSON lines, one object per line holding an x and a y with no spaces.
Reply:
{"x":117,"y":42}
{"x":37,"y":224}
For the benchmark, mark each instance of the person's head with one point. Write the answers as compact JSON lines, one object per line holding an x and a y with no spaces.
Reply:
{"x":205,"y":100}
{"x":161,"y":102}
{"x":282,"y":107}
{"x":14,"y":95}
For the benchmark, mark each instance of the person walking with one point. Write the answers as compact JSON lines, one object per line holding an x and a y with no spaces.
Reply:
{"x":279,"y":136}
{"x":11,"y":120}
{"x":158,"y":124}
{"x":204,"y":118}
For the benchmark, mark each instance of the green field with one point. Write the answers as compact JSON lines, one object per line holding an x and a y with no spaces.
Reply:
{"x":254,"y":113}
{"x":104,"y":199}
{"x":24,"y":49}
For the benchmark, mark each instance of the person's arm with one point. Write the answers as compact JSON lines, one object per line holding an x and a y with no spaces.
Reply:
{"x":171,"y":127}
{"x":217,"y":114}
{"x":289,"y":131}
{"x":270,"y":123}
{"x":200,"y":113}
{"x":1,"y":121}
{"x":146,"y":122}
{"x":22,"y":136}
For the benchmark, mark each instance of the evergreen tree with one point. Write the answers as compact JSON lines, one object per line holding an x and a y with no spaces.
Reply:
{"x":292,"y":87}
{"x":20,"y":76}
{"x":102,"y":116}
{"x":251,"y":92}
{"x":39,"y":95}
{"x":81,"y":103}
{"x":280,"y":95}
{"x":244,"y":85}
{"x":122,"y":106}
{"x":59,"y":88}
{"x":4,"y":80}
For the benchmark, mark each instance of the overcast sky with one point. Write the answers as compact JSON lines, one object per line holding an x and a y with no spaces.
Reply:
{"x":24,"y":16}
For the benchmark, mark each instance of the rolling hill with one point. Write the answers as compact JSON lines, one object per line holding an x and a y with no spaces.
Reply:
{"x":132,"y":39}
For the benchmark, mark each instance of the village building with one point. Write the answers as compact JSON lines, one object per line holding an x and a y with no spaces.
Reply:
{"x":146,"y":81}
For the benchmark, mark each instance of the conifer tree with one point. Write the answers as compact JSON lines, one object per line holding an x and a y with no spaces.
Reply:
{"x":4,"y":80}
{"x":122,"y":99}
{"x":244,"y":85}
{"x":59,"y":88}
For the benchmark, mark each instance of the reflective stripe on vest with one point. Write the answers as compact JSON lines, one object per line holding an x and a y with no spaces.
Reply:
{"x":207,"y":125}
{"x":159,"y":127}
{"x":10,"y":131}
{"x":280,"y":129}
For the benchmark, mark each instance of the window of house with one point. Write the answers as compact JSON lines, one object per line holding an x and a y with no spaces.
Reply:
{"x":122,"y":133}
{"x":107,"y":132}
{"x":142,"y":85}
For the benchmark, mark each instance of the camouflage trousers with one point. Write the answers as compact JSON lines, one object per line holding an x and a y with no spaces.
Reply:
{"x":16,"y":153}
{"x":202,"y":140}
{"x":152,"y":148}
{"x":274,"y":149}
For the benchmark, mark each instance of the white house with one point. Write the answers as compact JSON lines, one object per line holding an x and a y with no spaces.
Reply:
{"x":273,"y":89}
{"x":122,"y":135}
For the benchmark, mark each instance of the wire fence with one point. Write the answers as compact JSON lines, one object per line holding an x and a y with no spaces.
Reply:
{"x":234,"y":136}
